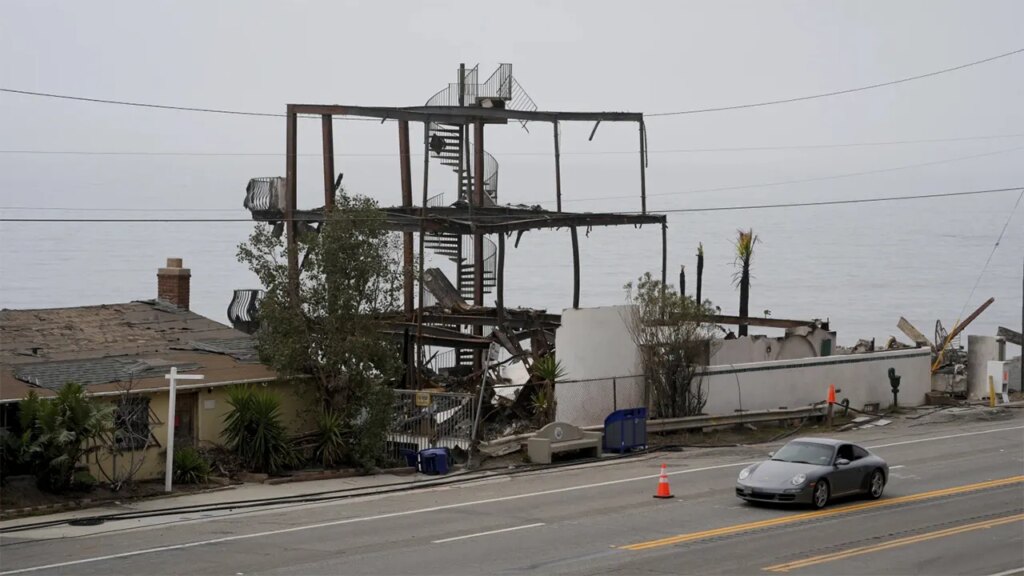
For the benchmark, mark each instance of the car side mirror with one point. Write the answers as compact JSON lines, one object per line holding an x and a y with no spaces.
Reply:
{"x":842,"y":462}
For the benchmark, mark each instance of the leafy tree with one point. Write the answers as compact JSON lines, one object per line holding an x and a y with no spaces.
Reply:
{"x":330,"y":334}
{"x":673,"y":333}
{"x":745,"y":241}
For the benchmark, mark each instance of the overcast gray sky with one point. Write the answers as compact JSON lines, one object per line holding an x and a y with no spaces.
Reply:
{"x":638,"y":56}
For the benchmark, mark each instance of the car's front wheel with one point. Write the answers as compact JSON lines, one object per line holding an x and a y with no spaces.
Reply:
{"x":821,"y":493}
{"x":876,"y":485}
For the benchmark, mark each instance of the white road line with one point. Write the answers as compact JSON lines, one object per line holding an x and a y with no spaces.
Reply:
{"x":488,"y":533}
{"x":935,"y":438}
{"x":897,"y":467}
{"x":1010,"y":571}
{"x":354,"y":520}
{"x":437,"y":508}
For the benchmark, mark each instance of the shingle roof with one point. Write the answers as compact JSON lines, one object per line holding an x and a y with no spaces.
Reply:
{"x":98,"y":346}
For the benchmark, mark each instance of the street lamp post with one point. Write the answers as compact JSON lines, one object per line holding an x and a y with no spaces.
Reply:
{"x":173,"y":376}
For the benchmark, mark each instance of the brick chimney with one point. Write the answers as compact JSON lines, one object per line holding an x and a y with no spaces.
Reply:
{"x":172,"y":283}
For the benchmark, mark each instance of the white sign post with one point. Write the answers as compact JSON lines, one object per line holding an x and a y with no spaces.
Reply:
{"x":171,"y":398}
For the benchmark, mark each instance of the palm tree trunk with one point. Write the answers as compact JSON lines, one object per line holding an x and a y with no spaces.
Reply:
{"x":744,"y":297}
{"x":700,"y":272}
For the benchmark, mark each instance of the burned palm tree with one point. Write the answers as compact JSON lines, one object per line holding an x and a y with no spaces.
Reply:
{"x":744,"y":253}
{"x":700,"y":270}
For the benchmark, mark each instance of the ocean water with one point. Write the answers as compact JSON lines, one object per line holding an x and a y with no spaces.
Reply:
{"x":860,"y":266}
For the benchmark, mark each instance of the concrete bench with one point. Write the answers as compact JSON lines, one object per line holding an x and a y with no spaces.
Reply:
{"x":561,"y":437}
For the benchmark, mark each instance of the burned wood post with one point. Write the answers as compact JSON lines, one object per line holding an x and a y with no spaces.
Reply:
{"x":664,"y":258}
{"x":700,"y":271}
{"x":500,"y":285}
{"x":407,"y":241}
{"x":575,"y":268}
{"x":478,"y":238}
{"x":405,"y":163}
{"x":423,"y":216}
{"x":682,"y":280}
{"x":643,"y":168}
{"x":558,"y":169}
{"x":291,"y":148}
{"x":327,"y":126}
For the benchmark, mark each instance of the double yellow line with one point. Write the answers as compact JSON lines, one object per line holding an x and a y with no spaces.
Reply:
{"x":893,"y":543}
{"x":739,"y":528}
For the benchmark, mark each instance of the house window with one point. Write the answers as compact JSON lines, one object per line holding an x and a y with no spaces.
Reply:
{"x":132,"y":423}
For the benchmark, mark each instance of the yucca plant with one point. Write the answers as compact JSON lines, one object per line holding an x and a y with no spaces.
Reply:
{"x":329,"y":450}
{"x":745,"y":242}
{"x":254,"y":431}
{"x":190,"y":467}
{"x":549,"y":371}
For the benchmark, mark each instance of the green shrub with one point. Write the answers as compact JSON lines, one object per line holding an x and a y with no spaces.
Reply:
{"x":329,"y":449}
{"x":190,"y":467}
{"x":254,"y":431}
{"x":58,"y":432}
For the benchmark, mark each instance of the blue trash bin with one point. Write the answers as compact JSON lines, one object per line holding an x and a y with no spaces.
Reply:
{"x":625,"y":430}
{"x":411,"y":457}
{"x":435,"y":461}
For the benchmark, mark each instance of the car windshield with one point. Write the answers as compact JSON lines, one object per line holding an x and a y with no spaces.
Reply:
{"x":805,"y":453}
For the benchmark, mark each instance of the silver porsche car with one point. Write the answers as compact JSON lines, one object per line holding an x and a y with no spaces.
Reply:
{"x":813,"y":471}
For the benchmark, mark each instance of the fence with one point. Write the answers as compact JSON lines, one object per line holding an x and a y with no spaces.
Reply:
{"x":430,"y":420}
{"x":587,"y":402}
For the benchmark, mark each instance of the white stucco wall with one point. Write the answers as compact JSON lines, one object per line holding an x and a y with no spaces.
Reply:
{"x":862,"y":378}
{"x":594,"y":344}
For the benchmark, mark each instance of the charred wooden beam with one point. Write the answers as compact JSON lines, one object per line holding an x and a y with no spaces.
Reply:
{"x":765,"y":322}
{"x":327,"y":126}
{"x":466,"y":114}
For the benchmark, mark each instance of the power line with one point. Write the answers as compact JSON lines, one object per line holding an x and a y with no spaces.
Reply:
{"x":678,"y":113}
{"x":519,"y":153}
{"x":799,"y":180}
{"x":161,"y":106}
{"x":837,"y":92}
{"x":837,"y":202}
{"x":672,"y":211}
{"x":990,"y":255}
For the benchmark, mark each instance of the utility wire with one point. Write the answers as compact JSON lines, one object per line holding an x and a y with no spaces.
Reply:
{"x":520,"y":153}
{"x":542,"y":202}
{"x":485,"y":217}
{"x":164,"y":106}
{"x":990,"y":255}
{"x":835,"y":202}
{"x":695,"y":111}
{"x":837,"y":92}
{"x":799,"y":180}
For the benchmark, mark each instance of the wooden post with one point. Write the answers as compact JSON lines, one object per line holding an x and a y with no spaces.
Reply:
{"x":407,"y":242}
{"x":500,"y":289}
{"x":558,"y":169}
{"x":643,"y":168}
{"x":327,"y":123}
{"x":575,"y":268}
{"x":664,"y":257}
{"x":423,"y":215}
{"x":291,"y":197}
{"x":477,"y":200}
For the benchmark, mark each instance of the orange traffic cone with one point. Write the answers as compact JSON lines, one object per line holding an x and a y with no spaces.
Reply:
{"x":663,"y":490}
{"x":831,"y":393}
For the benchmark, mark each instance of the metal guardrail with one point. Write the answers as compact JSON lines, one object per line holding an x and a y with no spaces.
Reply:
{"x":692,"y":422}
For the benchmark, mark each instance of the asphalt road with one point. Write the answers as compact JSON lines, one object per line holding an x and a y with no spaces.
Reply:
{"x":954,"y":505}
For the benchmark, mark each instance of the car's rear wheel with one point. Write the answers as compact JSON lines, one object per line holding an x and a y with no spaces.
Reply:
{"x":876,"y":485}
{"x":821,"y":494}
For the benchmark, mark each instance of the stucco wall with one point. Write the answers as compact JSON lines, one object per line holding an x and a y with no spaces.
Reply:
{"x":594,"y":345}
{"x":862,"y":378}
{"x":211,"y":408}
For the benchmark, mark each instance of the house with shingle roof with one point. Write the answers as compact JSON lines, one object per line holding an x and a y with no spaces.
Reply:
{"x":122,"y":352}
